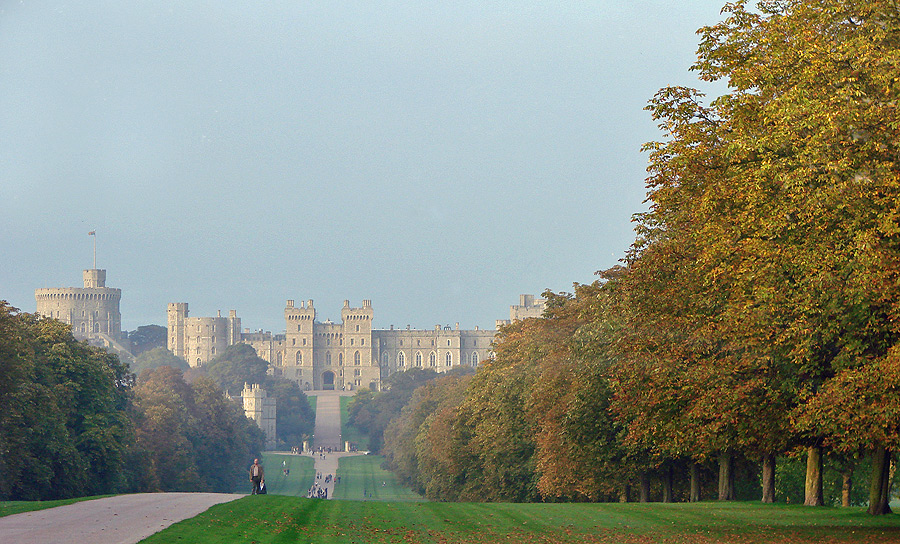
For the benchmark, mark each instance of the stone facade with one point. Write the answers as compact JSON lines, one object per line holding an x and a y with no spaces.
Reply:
{"x":342,"y":356}
{"x":528,"y":307}
{"x":199,"y":339}
{"x":92,"y":311}
{"x":260,"y":407}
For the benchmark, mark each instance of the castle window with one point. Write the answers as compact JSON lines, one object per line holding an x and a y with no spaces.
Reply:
{"x":432,"y":341}
{"x":474,"y":358}
{"x":401,"y":342}
{"x":356,"y":358}
{"x":299,"y":358}
{"x":418,"y":358}
{"x":340,"y":359}
{"x":449,"y":359}
{"x":418,"y":342}
{"x":357,"y":328}
{"x":214,"y":350}
{"x":298,"y":328}
{"x":357,"y":372}
{"x":328,"y":341}
{"x":199,"y":362}
{"x":448,"y":342}
{"x":293,"y":341}
{"x":327,"y":358}
{"x":401,"y":359}
{"x":198,"y":350}
{"x":304,"y":341}
{"x":384,"y":359}
{"x":432,"y":359}
{"x":363,"y":341}
{"x":351,"y":341}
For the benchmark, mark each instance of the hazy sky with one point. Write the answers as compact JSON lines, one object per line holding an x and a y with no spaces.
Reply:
{"x":438,"y":158}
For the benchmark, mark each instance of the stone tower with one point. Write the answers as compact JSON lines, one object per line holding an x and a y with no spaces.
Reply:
{"x":259,"y":407}
{"x":92,"y":310}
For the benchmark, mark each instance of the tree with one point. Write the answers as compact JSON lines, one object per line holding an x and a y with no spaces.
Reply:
{"x":237,"y":365}
{"x":157,"y":357}
{"x":64,"y":426}
{"x":147,"y":337}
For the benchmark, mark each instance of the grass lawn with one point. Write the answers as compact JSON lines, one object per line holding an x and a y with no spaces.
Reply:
{"x":363,"y":478}
{"x":296,"y":483}
{"x":7,"y":508}
{"x":278,"y":519}
{"x":349,"y":432}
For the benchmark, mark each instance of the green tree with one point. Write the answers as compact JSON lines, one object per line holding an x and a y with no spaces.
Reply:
{"x":147,"y":337}
{"x":157,"y":357}
{"x":64,"y":426}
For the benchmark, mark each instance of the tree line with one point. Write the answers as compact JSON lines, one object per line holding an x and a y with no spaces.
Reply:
{"x":75,"y":421}
{"x":754,"y":319}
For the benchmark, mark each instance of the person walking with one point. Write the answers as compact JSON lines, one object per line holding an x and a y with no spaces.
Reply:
{"x":257,"y":476}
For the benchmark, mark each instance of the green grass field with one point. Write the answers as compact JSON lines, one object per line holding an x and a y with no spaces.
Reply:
{"x":295,"y":484}
{"x":349,"y":432}
{"x":275,"y":519}
{"x":362,"y":478}
{"x":8,"y":508}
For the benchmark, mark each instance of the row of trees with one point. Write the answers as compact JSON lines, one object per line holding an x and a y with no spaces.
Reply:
{"x":756,"y":316}
{"x":74,"y":421}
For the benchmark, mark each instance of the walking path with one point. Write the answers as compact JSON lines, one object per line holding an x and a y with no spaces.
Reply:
{"x":328,"y":435}
{"x":123,"y":519}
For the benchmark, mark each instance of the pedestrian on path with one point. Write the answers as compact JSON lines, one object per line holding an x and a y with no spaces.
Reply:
{"x":257,"y":476}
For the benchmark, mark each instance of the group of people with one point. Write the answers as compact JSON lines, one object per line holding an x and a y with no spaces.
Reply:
{"x":317,"y":492}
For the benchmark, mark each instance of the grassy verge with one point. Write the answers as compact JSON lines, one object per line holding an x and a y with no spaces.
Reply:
{"x":300,"y":475}
{"x":363,"y":478}
{"x":349,"y":432}
{"x":8,"y":508}
{"x":275,"y":519}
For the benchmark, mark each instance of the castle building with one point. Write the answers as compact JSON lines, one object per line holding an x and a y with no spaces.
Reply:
{"x":260,"y":407}
{"x":528,"y":307}
{"x":92,"y":311}
{"x":199,"y":339}
{"x":326,"y":355}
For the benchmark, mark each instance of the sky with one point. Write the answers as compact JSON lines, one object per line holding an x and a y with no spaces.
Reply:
{"x":436,"y":158}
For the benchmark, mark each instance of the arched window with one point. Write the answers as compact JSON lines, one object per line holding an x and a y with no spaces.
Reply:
{"x":418,"y":358}
{"x":449,"y":359}
{"x":432,"y":359}
{"x":384,"y":359}
{"x":327,"y":357}
{"x":401,"y":359}
{"x":474,"y":358}
{"x":199,"y":362}
{"x":299,"y":358}
{"x":356,"y":358}
{"x":340,"y":359}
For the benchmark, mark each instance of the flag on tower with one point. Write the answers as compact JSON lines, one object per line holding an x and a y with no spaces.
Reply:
{"x":92,"y":233}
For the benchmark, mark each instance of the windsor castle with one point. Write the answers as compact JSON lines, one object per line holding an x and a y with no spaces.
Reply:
{"x":317,"y":355}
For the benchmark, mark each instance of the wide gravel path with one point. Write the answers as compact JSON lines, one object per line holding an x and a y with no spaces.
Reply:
{"x":124,"y":519}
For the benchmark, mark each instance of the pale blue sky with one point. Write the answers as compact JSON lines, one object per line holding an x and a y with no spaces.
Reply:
{"x":438,"y":158}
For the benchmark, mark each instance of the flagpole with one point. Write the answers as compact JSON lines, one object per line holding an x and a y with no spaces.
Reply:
{"x":93,"y":234}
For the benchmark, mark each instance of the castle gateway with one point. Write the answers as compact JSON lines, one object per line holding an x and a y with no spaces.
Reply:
{"x":343,"y":356}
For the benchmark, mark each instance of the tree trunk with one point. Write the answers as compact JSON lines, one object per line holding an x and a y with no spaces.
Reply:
{"x":645,"y":487}
{"x":726,"y":477}
{"x":880,"y":485}
{"x":695,"y":482}
{"x":768,"y":478}
{"x":668,"y":481}
{"x":625,"y":494}
{"x":846,"y":487}
{"x":814,"y":493}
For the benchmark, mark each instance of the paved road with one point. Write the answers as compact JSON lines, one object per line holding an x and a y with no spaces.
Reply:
{"x":328,"y":434}
{"x":124,"y":519}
